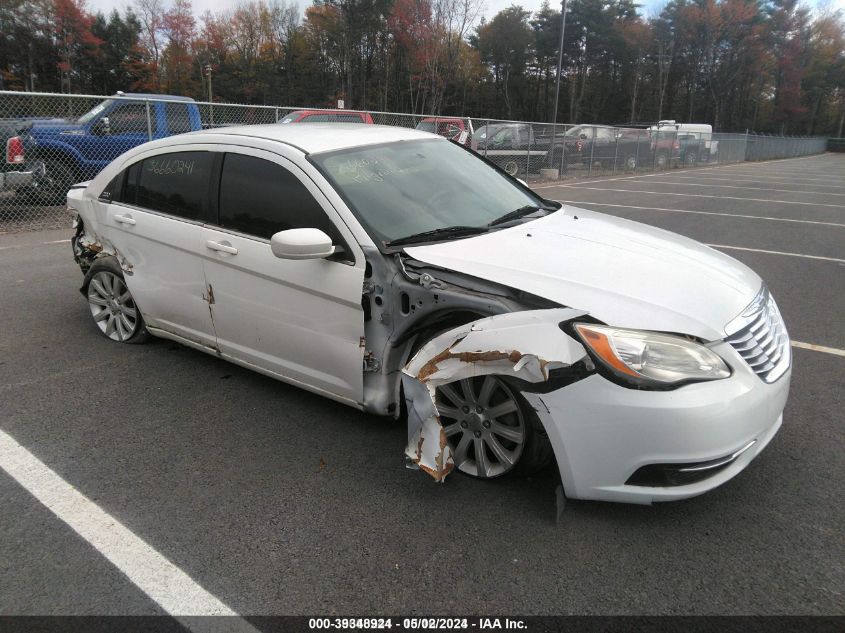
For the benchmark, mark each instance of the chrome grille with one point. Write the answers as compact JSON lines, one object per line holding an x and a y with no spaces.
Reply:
{"x":759,"y":335}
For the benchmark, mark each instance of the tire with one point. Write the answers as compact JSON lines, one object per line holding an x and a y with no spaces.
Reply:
{"x":662,"y":160}
{"x":112,"y":306}
{"x":511,"y":167}
{"x":691,"y":159}
{"x":51,"y":188}
{"x":630,"y":163}
{"x":486,"y":415}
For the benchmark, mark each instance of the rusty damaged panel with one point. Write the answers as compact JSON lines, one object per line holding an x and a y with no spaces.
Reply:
{"x":525,"y":345}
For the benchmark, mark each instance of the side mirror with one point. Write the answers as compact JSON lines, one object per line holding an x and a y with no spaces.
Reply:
{"x":301,"y":244}
{"x":102,"y":127}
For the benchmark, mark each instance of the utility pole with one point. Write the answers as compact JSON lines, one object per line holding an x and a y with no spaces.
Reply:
{"x":559,"y":58}
{"x":208,"y":74}
{"x":207,"y":69}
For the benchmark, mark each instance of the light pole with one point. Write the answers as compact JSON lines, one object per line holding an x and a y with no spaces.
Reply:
{"x":557,"y":86}
{"x":559,"y":57}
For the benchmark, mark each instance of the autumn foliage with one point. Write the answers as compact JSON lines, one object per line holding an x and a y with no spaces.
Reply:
{"x":763,"y":65}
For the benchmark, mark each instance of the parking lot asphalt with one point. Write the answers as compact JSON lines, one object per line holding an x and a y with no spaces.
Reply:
{"x":277,"y":501}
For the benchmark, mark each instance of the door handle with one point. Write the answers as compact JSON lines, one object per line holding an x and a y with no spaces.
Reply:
{"x":124,"y":219}
{"x":223,"y":247}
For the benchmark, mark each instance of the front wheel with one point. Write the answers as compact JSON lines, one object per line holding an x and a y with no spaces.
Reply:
{"x":489,"y":428}
{"x":112,"y":305}
{"x":662,"y":160}
{"x":511,"y":167}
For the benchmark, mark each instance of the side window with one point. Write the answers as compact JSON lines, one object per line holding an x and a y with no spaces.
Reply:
{"x":260,"y":198}
{"x":113,"y":190}
{"x":176,"y":184}
{"x":176,"y":115}
{"x":130,"y":118}
{"x":604,"y":134}
{"x":350,"y":118}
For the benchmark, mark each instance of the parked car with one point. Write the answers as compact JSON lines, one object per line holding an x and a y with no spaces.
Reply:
{"x":454,"y":128}
{"x":391,"y":270}
{"x":44,"y":157}
{"x":607,"y":146}
{"x":514,"y":147}
{"x":327,"y":116}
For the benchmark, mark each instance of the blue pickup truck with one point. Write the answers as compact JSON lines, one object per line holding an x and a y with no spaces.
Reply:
{"x":44,"y":157}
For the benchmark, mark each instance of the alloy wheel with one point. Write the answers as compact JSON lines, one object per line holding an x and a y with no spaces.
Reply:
{"x":484,"y":425}
{"x":112,"y":306}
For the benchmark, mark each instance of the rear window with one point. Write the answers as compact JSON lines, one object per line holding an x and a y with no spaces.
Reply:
{"x":176,"y":184}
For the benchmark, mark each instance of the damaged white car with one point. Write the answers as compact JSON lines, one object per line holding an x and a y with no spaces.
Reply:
{"x":401,"y":274}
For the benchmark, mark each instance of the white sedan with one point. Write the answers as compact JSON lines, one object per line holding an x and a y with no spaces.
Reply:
{"x":402,"y":274}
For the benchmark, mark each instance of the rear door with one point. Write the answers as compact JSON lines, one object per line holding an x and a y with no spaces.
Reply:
{"x":155,"y":226}
{"x":301,"y":320}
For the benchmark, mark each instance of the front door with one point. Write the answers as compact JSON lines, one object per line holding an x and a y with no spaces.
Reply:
{"x":301,"y":320}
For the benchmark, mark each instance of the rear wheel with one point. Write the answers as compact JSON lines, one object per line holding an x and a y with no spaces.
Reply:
{"x":691,"y":158}
{"x":662,"y":160}
{"x":631,"y":162}
{"x":511,"y":167}
{"x":112,"y":305}
{"x":489,"y":428}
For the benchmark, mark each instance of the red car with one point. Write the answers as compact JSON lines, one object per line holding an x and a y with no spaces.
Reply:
{"x":452,"y":128}
{"x":327,"y":116}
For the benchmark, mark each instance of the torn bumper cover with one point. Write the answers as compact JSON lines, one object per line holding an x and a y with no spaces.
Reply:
{"x":525,"y":345}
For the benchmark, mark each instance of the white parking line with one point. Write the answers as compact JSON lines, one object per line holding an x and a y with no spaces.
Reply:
{"x":167,"y":585}
{"x":701,"y":184}
{"x":760,"y":250}
{"x":13,"y":246}
{"x":819,"y":348}
{"x":813,"y":176}
{"x":797,"y":181}
{"x":729,"y":215}
{"x":704,"y":195}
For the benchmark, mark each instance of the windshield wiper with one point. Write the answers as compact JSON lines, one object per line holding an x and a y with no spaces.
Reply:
{"x":521,"y":212}
{"x":436,"y":234}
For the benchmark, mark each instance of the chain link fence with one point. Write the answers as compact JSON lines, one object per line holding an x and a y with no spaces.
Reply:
{"x":52,"y":141}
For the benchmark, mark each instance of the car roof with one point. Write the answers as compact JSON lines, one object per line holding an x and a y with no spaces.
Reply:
{"x":313,"y":138}
{"x":327,"y":112}
{"x":156,"y":97}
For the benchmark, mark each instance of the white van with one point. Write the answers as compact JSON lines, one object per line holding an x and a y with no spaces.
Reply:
{"x":695,"y":140}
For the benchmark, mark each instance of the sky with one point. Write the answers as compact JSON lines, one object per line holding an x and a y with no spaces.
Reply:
{"x":649,"y":7}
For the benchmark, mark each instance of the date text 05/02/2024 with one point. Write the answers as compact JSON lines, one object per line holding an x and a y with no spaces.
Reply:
{"x":417,"y":624}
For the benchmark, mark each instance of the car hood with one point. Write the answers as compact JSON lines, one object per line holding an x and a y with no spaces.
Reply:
{"x":623,"y":273}
{"x":54,"y":126}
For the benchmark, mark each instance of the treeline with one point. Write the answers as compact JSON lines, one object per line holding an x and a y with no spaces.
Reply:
{"x":768,"y":66}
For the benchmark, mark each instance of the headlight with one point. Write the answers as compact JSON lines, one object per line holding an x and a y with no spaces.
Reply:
{"x":649,"y":357}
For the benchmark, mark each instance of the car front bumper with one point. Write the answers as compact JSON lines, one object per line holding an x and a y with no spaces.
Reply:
{"x":603,"y":433}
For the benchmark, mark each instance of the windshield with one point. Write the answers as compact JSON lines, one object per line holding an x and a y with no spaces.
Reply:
{"x":400,"y":189}
{"x":578,"y":130}
{"x":96,"y":111}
